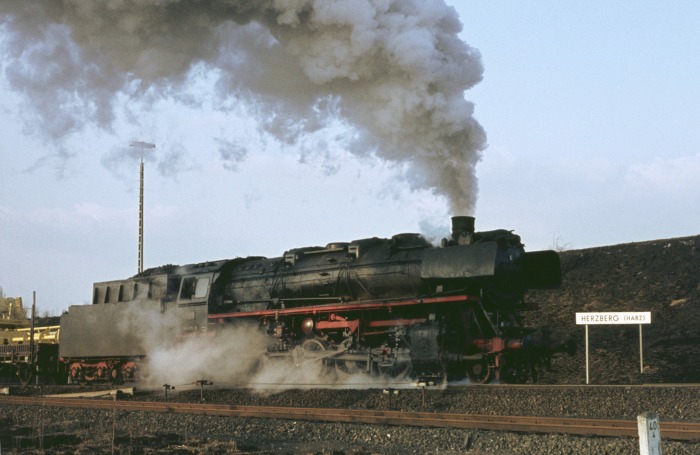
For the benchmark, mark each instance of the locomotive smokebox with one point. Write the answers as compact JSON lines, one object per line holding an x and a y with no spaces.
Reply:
{"x":462,"y":229}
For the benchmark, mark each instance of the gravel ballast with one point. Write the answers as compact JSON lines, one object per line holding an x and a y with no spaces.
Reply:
{"x":141,"y":432}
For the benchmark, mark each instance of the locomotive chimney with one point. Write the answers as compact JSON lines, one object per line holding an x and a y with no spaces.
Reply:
{"x":462,"y":229}
{"x":462,"y":224}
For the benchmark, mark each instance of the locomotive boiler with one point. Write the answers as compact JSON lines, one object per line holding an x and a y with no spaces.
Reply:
{"x":397,"y":307}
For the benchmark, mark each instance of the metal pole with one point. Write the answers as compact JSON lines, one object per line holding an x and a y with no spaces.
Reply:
{"x":141,"y":218}
{"x":641,"y":357}
{"x":586,"y":353}
{"x":141,"y":145}
{"x":31,"y":332}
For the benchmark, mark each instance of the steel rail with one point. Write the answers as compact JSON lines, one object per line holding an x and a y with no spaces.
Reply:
{"x":530,"y":424}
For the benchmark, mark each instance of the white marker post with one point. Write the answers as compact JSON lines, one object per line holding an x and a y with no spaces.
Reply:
{"x":613,"y":318}
{"x":649,"y":434}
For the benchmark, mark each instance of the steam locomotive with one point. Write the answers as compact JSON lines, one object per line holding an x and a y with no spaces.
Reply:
{"x":393,"y":308}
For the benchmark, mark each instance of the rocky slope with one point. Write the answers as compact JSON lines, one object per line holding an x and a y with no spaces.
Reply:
{"x":660,"y":276}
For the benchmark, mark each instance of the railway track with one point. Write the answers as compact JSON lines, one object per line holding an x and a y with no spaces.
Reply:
{"x":684,"y":431}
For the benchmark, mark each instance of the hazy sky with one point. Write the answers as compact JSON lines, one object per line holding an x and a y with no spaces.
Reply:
{"x":592,"y":120}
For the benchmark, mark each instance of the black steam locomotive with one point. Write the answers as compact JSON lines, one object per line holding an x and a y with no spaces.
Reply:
{"x":397,"y":307}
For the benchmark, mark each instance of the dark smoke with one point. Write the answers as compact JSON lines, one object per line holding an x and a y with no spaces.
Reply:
{"x":393,"y":70}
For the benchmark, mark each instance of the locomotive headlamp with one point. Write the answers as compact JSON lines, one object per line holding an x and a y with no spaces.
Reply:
{"x":307,"y":325}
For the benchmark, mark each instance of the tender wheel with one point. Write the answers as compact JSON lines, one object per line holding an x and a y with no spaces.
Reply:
{"x":115,"y":376}
{"x":86,"y":377}
{"x":479,"y":372}
{"x":74,"y":375}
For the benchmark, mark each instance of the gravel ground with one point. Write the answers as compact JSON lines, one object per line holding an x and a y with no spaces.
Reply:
{"x":85,"y":431}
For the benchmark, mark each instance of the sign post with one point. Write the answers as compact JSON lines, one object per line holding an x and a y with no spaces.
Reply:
{"x":649,"y":434}
{"x":614,"y":318}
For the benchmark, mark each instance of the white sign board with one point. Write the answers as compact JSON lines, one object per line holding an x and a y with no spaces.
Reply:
{"x":612,"y":318}
{"x":609,"y":318}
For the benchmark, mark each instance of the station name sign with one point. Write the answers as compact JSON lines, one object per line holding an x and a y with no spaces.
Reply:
{"x":610,"y":318}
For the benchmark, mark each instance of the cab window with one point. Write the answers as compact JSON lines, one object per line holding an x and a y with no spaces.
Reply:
{"x":194,"y":288}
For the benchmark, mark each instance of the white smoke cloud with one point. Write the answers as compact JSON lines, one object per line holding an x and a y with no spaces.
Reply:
{"x":225,"y":357}
{"x":229,"y":356}
{"x":393,"y":70}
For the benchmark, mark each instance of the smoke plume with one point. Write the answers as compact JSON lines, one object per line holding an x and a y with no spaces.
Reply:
{"x":395,"y":71}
